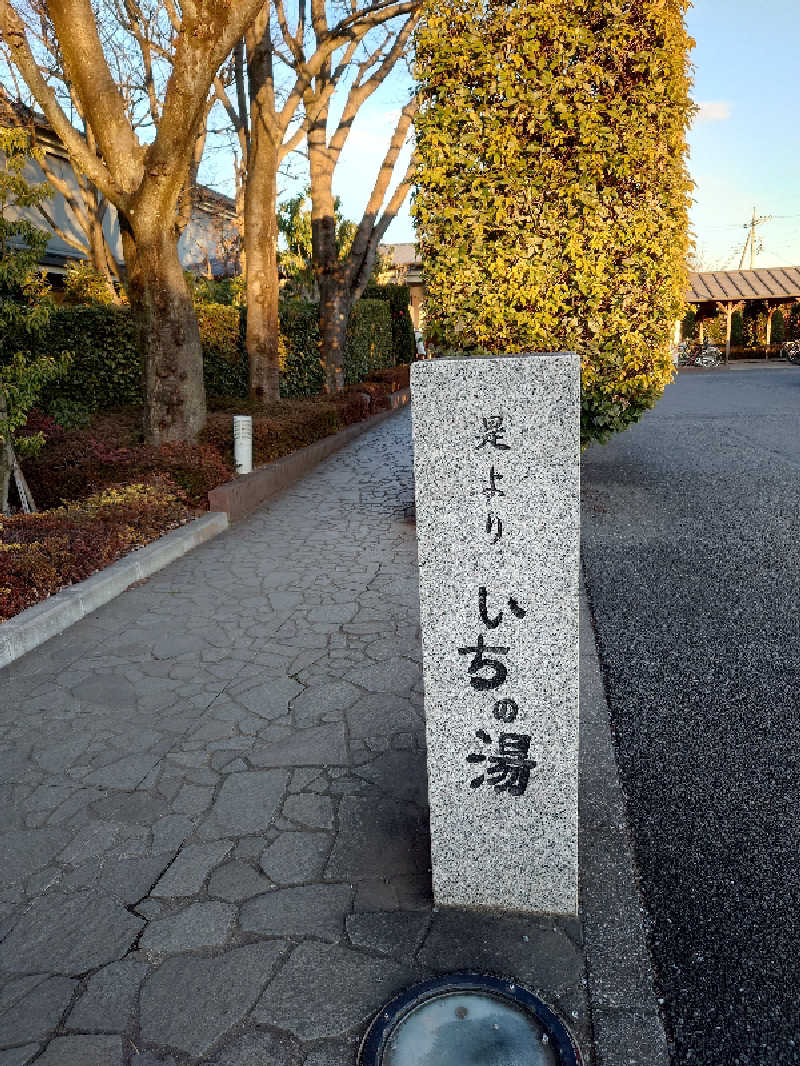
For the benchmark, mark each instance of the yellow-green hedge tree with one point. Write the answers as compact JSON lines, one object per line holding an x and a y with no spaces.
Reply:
{"x":552,"y":194}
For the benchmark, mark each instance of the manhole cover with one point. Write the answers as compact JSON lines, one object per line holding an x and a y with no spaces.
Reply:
{"x":467,"y":1019}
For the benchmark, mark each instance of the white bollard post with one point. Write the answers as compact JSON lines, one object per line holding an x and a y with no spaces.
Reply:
{"x":243,"y":443}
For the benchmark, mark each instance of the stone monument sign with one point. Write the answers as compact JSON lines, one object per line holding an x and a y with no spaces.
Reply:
{"x":496,"y":466}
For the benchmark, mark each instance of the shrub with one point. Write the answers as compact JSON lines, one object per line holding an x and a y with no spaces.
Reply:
{"x":552,"y":194}
{"x":792,"y":323}
{"x":737,"y":329}
{"x":225,"y":370}
{"x":778,"y":332}
{"x":85,"y":285}
{"x":231,"y":292}
{"x":689,"y":325}
{"x":368,"y":346}
{"x":404,"y":343}
{"x":77,"y":463}
{"x":41,"y":553}
{"x":106,"y":370}
{"x":302,"y":372}
{"x":278,"y":431}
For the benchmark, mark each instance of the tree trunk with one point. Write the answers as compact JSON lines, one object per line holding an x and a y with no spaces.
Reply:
{"x":6,"y":461}
{"x":332,"y":277}
{"x":168,"y":338}
{"x":334,"y":311}
{"x":261,"y":256}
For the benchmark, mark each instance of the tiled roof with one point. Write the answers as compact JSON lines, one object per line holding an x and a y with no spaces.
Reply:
{"x":769,"y":283}
{"x":402,"y":254}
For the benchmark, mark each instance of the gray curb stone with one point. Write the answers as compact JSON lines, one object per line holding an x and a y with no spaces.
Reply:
{"x":52,"y":616}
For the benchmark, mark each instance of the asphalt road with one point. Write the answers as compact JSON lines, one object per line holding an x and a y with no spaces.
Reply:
{"x":691,"y":549}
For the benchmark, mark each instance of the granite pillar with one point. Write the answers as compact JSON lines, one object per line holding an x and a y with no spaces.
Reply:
{"x":496,"y":466}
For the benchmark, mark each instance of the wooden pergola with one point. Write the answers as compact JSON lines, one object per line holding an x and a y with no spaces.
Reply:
{"x":729,"y":290}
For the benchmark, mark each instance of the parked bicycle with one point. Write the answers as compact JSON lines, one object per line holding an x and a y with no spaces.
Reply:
{"x":708,"y":355}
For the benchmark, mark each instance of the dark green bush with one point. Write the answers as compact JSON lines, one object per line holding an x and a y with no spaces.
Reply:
{"x":369,"y":340}
{"x":778,"y":333}
{"x":399,"y":299}
{"x":224,"y":358}
{"x":106,"y":370}
{"x":302,"y":372}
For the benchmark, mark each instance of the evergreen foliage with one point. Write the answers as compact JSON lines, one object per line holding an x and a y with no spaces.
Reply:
{"x":368,"y":346}
{"x":399,"y":300}
{"x":106,"y":366}
{"x":83,"y":284}
{"x":25,"y":302}
{"x":294,"y":225}
{"x":737,"y":329}
{"x":552,"y":191}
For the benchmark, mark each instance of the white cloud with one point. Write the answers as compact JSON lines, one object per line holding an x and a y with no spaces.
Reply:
{"x":713,"y":110}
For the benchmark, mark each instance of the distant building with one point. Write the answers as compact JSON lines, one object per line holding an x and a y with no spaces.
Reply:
{"x":208,"y":244}
{"x":711,"y":291}
{"x":406,"y":269}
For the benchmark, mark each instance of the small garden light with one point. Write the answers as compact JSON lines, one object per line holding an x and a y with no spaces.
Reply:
{"x":467,"y":1019}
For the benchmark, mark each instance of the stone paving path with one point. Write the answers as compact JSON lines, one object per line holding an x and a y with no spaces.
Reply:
{"x":213,"y":820}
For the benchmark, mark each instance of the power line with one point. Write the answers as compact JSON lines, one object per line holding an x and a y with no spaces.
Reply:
{"x":751,"y":237}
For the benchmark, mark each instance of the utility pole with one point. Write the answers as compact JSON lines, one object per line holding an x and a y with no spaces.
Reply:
{"x":751,"y":237}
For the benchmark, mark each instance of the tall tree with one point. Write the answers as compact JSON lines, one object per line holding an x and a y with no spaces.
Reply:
{"x":341,"y":278}
{"x":271,"y":72}
{"x":144,"y":181}
{"x":294,"y":225}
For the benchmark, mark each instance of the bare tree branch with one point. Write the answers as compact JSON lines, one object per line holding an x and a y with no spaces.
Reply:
{"x":12,"y":30}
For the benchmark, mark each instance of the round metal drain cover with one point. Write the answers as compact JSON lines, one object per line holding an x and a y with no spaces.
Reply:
{"x":467,"y":1019}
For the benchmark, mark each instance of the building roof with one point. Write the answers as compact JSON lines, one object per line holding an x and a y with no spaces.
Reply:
{"x":15,"y":113}
{"x":402,"y":254}
{"x":768,"y":283}
{"x":204,"y":196}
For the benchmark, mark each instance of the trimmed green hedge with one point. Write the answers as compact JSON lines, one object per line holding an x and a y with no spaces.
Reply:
{"x":551,"y":191}
{"x":369,"y":340}
{"x":302,"y":372}
{"x":106,"y":371}
{"x":399,"y":299}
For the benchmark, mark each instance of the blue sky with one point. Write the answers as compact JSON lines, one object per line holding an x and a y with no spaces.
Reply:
{"x":744,"y":142}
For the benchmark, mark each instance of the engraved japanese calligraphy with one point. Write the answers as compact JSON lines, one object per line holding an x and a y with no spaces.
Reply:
{"x":496,"y":466}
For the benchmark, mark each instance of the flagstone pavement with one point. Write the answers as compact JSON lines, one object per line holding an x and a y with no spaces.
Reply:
{"x":213,"y":820}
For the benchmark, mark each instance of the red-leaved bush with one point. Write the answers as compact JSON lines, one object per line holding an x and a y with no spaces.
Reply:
{"x":41,"y":553}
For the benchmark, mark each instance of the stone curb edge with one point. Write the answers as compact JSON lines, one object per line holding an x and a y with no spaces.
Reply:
{"x":623,"y":1005}
{"x":36,"y":624}
{"x":52,"y":616}
{"x":239,"y":497}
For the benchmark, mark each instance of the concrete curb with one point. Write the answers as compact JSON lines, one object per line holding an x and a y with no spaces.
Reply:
{"x":238,"y":498}
{"x":37,"y":624}
{"x":623,"y":1005}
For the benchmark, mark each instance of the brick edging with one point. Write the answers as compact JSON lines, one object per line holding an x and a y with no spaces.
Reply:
{"x":239,"y":497}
